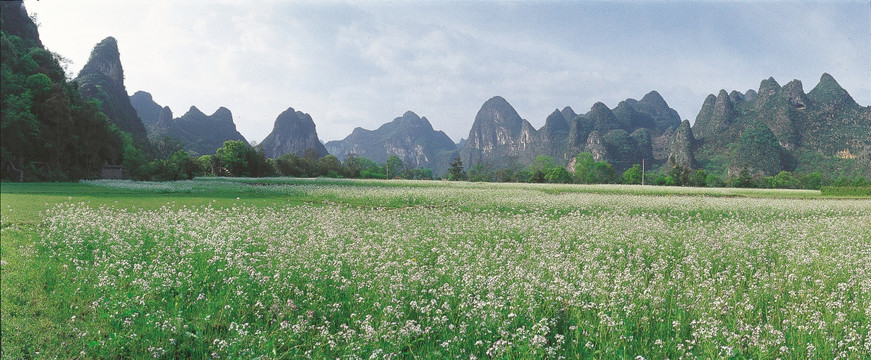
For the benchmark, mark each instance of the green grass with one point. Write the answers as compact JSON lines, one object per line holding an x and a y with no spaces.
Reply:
{"x":326,"y":268}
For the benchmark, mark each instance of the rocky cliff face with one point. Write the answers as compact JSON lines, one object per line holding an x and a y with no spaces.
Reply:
{"x":200,"y":133}
{"x":682,"y":145}
{"x":103,"y":78}
{"x":293,"y":133}
{"x":410,"y":137}
{"x":632,"y":132}
{"x":16,"y":22}
{"x":498,"y":135}
{"x":554,"y":134}
{"x":715,"y":117}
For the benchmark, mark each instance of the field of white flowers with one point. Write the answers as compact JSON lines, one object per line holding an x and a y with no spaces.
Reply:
{"x":462,"y":271}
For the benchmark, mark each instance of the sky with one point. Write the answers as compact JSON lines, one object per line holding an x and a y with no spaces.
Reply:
{"x":362,"y":64}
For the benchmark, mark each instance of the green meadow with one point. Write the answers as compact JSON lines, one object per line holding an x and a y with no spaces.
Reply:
{"x":283,"y":268}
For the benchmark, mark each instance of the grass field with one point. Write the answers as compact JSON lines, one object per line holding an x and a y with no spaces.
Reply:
{"x":298,"y":268}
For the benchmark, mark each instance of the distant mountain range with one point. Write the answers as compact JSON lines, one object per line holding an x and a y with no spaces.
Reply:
{"x":632,"y":132}
{"x":782,"y":128}
{"x":763,"y":131}
{"x":198,"y":132}
{"x":410,"y":137}
{"x":775,"y":128}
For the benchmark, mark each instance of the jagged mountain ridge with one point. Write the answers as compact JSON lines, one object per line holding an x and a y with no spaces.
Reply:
{"x":633,"y":131}
{"x":410,"y":137}
{"x":783,"y":128}
{"x":293,"y":133}
{"x":198,"y":132}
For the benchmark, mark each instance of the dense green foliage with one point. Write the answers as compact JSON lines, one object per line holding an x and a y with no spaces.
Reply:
{"x":48,"y":131}
{"x":759,"y":149}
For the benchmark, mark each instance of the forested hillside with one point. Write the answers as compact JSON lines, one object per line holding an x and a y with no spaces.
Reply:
{"x":48,"y":131}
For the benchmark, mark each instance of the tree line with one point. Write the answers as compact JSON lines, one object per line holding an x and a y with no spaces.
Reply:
{"x":586,"y":170}
{"x":238,"y":159}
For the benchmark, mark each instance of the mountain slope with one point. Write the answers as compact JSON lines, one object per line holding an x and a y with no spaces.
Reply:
{"x":200,"y":133}
{"x":498,"y":136}
{"x":146,"y":108}
{"x":410,"y":137}
{"x":782,"y":128}
{"x":293,"y":133}
{"x":48,"y":132}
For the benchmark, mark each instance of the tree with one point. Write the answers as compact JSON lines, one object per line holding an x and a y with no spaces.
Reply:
{"x":394,"y":166}
{"x":632,"y":175}
{"x":784,"y":180}
{"x":583,"y":166}
{"x":352,"y":166}
{"x":481,"y":172}
{"x":210,"y":165}
{"x":417,"y":174}
{"x":166,"y":146}
{"x":542,"y":163}
{"x":233,"y":157}
{"x":558,"y":175}
{"x":743,"y":180}
{"x":699,"y":178}
{"x":680,"y":173}
{"x":812,"y":181}
{"x":456,"y":171}
{"x":258,"y":164}
{"x":602,"y":173}
{"x":329,"y":166}
{"x":714,"y":181}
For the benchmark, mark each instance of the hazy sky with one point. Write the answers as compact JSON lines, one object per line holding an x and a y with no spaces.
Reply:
{"x":351,"y":64}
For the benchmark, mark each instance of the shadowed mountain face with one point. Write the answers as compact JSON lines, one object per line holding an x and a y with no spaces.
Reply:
{"x":103,"y":78}
{"x":410,"y":137}
{"x":782,"y":128}
{"x":198,"y":132}
{"x":293,"y":133}
{"x":147,"y":110}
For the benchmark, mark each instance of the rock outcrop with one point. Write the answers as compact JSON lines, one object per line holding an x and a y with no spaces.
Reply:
{"x":293,"y":133}
{"x":682,"y":144}
{"x":103,"y":78}
{"x":499,"y":136}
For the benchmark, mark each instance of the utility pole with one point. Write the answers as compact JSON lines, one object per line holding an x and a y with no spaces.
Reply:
{"x":642,"y":171}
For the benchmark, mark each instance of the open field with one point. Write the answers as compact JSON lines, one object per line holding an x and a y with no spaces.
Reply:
{"x":299,"y":268}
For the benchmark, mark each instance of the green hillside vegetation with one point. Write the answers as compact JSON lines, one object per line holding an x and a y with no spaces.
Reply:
{"x":48,"y":131}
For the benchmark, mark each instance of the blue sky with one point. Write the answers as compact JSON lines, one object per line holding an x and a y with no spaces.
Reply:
{"x":351,"y":64}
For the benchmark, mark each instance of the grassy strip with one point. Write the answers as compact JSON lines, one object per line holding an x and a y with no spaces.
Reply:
{"x":851,"y":191}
